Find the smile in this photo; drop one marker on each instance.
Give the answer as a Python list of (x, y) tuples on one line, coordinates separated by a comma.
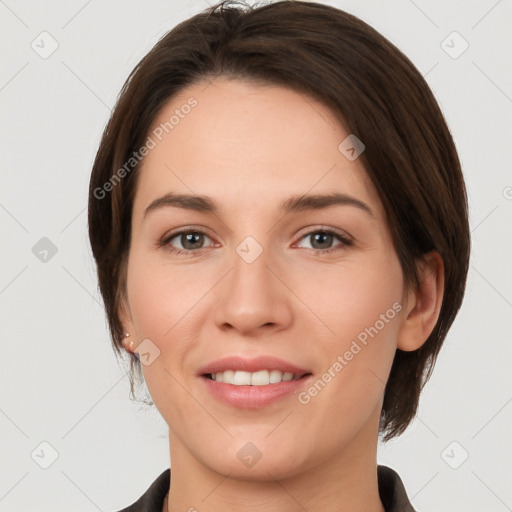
[(245, 395)]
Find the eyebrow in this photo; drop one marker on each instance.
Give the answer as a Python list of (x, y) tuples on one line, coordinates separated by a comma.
[(293, 204)]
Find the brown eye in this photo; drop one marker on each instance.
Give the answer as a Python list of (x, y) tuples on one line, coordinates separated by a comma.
[(186, 241), (322, 241)]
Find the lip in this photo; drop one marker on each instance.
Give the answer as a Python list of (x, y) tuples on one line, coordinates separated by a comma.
[(251, 365), (254, 397)]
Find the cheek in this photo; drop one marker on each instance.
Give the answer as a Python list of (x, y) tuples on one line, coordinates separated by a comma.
[(361, 306), (169, 305), (164, 305), (161, 297), (351, 297)]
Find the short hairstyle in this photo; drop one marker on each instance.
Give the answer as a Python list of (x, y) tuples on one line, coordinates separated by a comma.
[(369, 85)]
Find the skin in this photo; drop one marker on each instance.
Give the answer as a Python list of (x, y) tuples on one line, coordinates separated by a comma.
[(250, 147)]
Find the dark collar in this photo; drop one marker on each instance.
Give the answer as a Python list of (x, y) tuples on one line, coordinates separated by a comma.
[(391, 490)]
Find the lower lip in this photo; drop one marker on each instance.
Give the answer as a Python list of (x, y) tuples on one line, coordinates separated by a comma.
[(253, 397)]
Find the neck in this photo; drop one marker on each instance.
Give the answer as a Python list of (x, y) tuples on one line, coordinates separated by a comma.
[(345, 481)]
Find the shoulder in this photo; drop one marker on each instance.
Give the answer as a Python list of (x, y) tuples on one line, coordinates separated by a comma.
[(392, 491), (153, 498)]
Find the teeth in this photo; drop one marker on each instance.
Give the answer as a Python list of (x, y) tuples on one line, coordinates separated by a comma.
[(261, 378)]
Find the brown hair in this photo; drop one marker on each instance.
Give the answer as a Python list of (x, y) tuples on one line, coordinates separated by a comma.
[(374, 90)]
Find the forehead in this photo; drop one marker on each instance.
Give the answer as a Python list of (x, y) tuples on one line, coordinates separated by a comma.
[(242, 142)]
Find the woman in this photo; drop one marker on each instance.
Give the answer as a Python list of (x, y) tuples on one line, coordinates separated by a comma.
[(279, 221)]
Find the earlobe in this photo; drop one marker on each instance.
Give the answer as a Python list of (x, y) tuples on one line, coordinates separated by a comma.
[(423, 304), (128, 344), (127, 337)]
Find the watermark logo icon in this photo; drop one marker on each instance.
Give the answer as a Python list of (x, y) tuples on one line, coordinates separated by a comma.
[(44, 250), (454, 45), (454, 455), (351, 147), (44, 455), (147, 352), (44, 45), (249, 249), (249, 454)]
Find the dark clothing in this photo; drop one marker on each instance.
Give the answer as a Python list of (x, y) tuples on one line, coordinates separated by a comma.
[(391, 490)]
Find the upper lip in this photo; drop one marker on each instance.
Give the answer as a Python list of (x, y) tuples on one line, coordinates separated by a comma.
[(251, 365)]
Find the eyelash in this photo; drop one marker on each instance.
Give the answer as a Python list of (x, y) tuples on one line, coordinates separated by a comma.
[(346, 241)]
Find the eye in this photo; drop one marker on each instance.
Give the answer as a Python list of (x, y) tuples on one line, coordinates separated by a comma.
[(187, 241), (321, 240)]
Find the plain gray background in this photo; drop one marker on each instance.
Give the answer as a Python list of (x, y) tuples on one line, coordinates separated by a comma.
[(60, 382)]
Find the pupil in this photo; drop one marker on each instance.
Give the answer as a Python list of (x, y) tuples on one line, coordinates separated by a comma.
[(322, 236), (189, 240)]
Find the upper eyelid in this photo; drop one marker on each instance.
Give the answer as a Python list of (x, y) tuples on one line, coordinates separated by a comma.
[(336, 231), (182, 231)]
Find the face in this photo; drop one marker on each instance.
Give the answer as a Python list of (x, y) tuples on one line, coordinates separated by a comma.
[(317, 285)]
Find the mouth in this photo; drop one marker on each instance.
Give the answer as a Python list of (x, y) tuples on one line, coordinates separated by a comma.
[(254, 390), (251, 383)]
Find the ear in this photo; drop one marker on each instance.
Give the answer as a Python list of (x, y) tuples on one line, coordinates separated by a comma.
[(125, 318), (423, 304)]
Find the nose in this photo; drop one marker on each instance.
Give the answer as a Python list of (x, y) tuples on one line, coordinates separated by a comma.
[(252, 296)]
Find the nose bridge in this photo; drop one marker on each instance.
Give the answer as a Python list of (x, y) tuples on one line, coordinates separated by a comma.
[(252, 248), (250, 277), (250, 296)]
